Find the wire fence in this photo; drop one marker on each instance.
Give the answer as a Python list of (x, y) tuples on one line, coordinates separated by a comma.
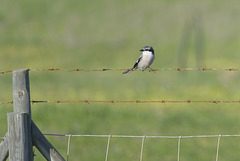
[(133, 101), (108, 69), (143, 138)]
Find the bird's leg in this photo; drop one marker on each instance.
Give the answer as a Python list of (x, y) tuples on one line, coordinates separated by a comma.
[(149, 69)]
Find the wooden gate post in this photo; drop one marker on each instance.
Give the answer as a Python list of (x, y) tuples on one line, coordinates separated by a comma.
[(22, 131), (19, 134), (19, 121)]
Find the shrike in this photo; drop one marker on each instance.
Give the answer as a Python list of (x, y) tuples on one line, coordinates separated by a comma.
[(144, 61)]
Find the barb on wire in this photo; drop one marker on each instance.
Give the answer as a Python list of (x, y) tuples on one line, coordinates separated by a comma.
[(108, 69), (7, 71), (10, 102), (132, 101)]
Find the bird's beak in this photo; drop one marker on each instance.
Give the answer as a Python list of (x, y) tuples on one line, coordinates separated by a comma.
[(141, 50)]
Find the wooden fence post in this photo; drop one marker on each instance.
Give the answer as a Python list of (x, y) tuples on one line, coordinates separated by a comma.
[(20, 146), (22, 131), (21, 91), (19, 121), (4, 152)]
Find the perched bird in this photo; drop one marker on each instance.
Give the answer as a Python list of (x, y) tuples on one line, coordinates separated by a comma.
[(144, 61)]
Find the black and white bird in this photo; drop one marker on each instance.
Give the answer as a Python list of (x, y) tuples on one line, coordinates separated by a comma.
[(144, 61)]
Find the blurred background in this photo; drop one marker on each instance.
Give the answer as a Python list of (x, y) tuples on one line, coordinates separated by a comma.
[(109, 34)]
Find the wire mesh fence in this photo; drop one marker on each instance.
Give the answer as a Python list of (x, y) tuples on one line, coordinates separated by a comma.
[(142, 145)]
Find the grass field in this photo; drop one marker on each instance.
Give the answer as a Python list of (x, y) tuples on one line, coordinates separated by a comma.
[(109, 34)]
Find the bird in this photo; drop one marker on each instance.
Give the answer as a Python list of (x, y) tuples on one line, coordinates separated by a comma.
[(144, 61)]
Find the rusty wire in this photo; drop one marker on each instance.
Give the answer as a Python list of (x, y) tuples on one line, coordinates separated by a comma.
[(10, 102), (108, 69), (131, 101), (137, 101)]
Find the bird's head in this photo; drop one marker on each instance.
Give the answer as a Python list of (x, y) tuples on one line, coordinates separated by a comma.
[(147, 48)]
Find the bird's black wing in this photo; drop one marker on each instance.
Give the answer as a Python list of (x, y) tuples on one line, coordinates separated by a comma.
[(136, 64)]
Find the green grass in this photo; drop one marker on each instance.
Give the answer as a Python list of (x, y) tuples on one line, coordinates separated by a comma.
[(109, 34)]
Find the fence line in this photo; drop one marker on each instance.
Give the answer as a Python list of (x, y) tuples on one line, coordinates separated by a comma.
[(145, 136), (45, 147), (108, 69), (143, 141), (132, 101)]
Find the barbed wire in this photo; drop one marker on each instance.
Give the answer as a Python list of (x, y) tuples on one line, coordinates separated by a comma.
[(108, 69), (10, 102), (132, 101)]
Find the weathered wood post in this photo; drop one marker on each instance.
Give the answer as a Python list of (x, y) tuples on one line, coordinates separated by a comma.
[(20, 143), (19, 121), (44, 146), (4, 152), (22, 131)]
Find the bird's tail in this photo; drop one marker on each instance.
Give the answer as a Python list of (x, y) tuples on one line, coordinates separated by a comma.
[(129, 71), (126, 72)]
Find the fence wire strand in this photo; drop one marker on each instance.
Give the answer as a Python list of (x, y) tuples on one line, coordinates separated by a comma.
[(179, 145), (109, 69), (68, 149), (107, 150), (218, 145), (141, 154), (147, 136), (163, 101), (10, 102)]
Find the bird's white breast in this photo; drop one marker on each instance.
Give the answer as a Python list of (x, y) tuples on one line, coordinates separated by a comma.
[(146, 60)]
